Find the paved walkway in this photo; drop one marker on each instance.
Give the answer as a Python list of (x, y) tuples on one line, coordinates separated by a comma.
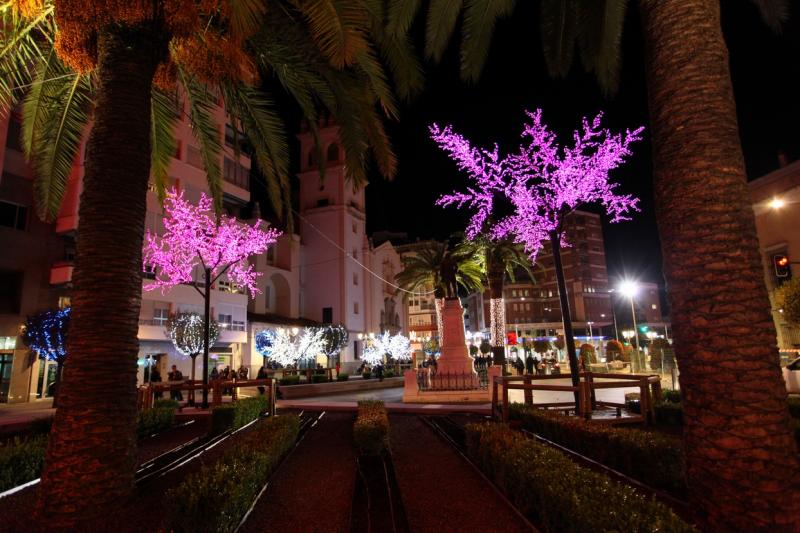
[(16, 416), (313, 490), (441, 491)]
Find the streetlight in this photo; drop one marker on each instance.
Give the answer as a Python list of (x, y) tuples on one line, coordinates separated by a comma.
[(629, 288), (777, 203), (590, 330)]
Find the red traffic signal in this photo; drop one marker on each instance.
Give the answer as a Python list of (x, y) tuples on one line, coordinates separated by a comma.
[(782, 265)]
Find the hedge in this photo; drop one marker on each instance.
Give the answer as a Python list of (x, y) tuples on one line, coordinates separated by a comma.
[(167, 402), (652, 458), (154, 420), (669, 414), (236, 414), (371, 429), (216, 497), (21, 460), (342, 376), (366, 375), (289, 380), (559, 495), (319, 378)]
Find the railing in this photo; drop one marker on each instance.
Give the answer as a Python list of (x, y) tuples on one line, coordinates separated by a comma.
[(649, 393), (147, 393), (431, 380)]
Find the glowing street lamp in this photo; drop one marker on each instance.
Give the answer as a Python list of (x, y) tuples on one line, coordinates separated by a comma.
[(630, 288), (777, 203)]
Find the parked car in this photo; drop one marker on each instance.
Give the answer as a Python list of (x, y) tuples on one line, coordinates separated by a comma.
[(791, 374)]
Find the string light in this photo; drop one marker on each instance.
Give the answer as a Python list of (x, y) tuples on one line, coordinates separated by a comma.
[(497, 316), (185, 330), (46, 334)]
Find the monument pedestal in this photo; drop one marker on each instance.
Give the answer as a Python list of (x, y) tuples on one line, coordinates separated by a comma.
[(454, 358)]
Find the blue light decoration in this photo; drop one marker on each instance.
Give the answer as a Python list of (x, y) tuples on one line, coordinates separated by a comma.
[(46, 334), (265, 339)]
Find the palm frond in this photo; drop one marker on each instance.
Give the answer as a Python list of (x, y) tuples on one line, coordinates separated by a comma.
[(266, 131), (401, 15), (55, 120), (380, 145), (164, 117), (558, 28), (337, 27), (206, 131), (480, 18), (377, 78), (600, 33), (439, 27), (245, 17), (399, 54), (23, 45), (774, 12)]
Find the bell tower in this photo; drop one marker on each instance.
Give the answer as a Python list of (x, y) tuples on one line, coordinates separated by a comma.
[(332, 228)]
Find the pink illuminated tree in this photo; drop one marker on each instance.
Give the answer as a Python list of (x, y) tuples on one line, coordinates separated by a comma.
[(194, 238), (543, 182)]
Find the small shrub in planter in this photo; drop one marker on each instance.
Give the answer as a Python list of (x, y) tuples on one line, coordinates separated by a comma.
[(669, 395), (21, 460), (389, 374), (587, 355), (155, 420), (237, 414), (366, 374), (289, 380), (371, 429), (561, 496), (669, 414), (342, 376), (215, 498), (319, 378), (166, 402), (653, 458)]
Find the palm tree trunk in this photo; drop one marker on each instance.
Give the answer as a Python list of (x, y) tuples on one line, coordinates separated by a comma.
[(91, 455), (742, 464), (497, 318), (57, 384)]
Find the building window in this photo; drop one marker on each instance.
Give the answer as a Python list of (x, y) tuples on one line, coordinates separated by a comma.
[(327, 315), (160, 315), (270, 255), (514, 293), (149, 272), (355, 279), (225, 321), (64, 302), (355, 308), (10, 286), (654, 306), (13, 216), (333, 152), (14, 132)]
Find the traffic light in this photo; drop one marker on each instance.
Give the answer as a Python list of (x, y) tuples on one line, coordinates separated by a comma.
[(783, 268)]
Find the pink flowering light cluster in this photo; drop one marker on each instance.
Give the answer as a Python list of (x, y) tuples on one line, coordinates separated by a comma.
[(194, 237), (543, 181)]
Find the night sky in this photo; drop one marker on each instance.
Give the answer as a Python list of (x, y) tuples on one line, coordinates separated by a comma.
[(763, 65)]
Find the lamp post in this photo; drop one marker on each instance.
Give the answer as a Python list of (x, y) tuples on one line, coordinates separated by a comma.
[(590, 330)]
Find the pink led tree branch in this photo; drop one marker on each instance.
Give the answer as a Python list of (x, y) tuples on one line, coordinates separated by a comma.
[(544, 182), (194, 237)]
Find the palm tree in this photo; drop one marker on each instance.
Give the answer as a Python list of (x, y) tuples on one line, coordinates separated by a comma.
[(723, 330), (97, 61), (501, 259), (422, 271)]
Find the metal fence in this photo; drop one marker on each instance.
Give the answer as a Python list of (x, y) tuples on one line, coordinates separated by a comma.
[(431, 380)]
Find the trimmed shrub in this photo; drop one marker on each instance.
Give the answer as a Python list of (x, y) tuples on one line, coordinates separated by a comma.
[(657, 349), (236, 414), (215, 498), (342, 376), (614, 350), (289, 380), (558, 494), (669, 395), (485, 348), (542, 346), (587, 355), (652, 458), (473, 350), (389, 374), (154, 420), (371, 429), (669, 414), (319, 378), (366, 374), (21, 460), (166, 402)]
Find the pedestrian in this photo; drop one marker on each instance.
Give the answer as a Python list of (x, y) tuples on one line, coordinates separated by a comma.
[(243, 372), (489, 360), (529, 364), (262, 374), (175, 376), (379, 371), (155, 377), (214, 374), (338, 367)]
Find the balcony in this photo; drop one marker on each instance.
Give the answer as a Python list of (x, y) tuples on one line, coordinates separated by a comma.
[(61, 273)]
